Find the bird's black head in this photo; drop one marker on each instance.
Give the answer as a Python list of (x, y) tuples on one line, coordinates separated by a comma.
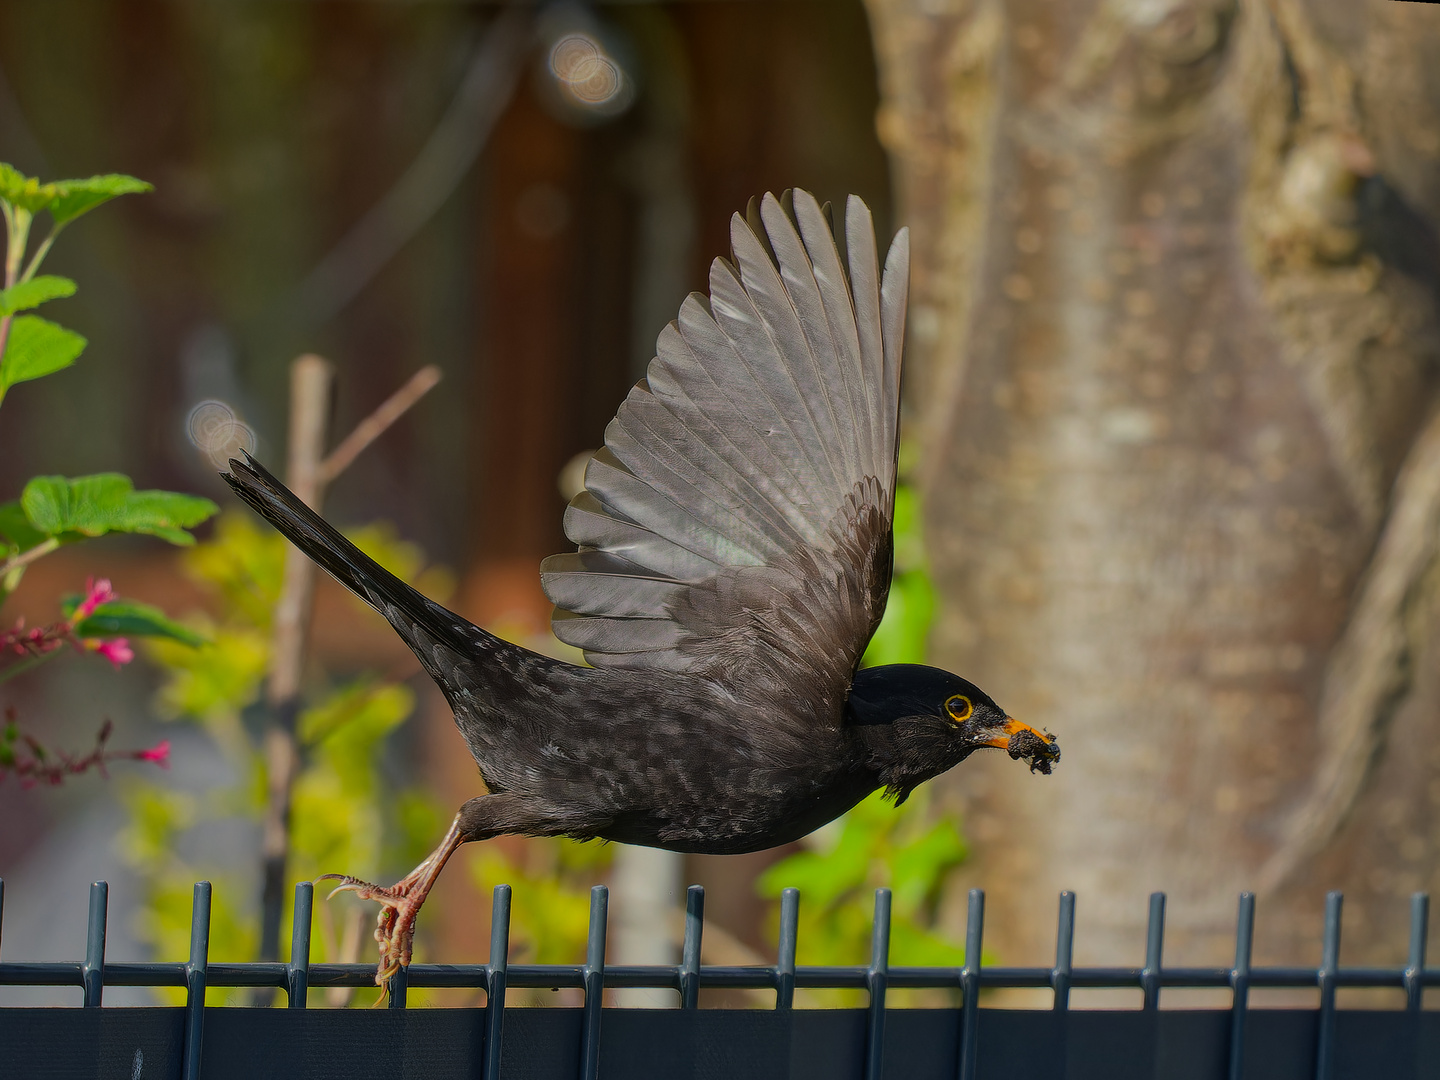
[(936, 720)]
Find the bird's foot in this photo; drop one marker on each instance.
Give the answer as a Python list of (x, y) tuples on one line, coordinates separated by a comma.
[(395, 925), (400, 904)]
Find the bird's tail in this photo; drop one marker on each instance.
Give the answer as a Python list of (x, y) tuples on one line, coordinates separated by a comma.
[(414, 616)]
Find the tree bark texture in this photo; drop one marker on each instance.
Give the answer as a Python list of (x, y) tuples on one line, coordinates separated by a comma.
[(1172, 372)]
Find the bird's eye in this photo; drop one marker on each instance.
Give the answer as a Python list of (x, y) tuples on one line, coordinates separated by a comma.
[(959, 708)]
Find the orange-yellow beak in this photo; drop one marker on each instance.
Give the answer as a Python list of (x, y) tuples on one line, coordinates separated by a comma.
[(1014, 727)]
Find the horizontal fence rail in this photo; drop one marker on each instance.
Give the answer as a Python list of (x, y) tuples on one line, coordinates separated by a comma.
[(1419, 1056)]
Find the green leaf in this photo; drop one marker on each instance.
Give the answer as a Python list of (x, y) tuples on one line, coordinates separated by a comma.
[(75, 197), (166, 514), (24, 191), (37, 347), (11, 181), (15, 527), (213, 683), (245, 565), (33, 293), (108, 502), (56, 505), (129, 618), (345, 727)]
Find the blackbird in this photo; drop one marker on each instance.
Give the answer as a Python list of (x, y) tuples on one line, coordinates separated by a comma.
[(734, 559)]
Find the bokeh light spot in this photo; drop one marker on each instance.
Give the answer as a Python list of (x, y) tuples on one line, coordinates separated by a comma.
[(586, 71), (218, 433)]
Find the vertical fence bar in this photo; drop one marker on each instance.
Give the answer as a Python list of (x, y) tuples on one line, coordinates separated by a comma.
[(1415, 967), (1329, 964), (970, 986), (594, 983), (94, 973), (2, 908), (495, 981), (297, 972), (1064, 951), (195, 978), (876, 981), (785, 958), (397, 988), (690, 951), (1240, 983), (1154, 952)]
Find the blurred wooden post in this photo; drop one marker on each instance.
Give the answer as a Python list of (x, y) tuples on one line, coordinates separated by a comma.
[(311, 382), (646, 885)]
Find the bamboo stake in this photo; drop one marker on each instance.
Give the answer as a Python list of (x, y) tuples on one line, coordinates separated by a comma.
[(311, 382), (308, 471)]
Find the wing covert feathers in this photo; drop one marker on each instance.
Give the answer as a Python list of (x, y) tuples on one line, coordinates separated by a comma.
[(737, 521)]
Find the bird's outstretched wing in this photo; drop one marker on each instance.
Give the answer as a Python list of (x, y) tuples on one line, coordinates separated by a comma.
[(736, 523)]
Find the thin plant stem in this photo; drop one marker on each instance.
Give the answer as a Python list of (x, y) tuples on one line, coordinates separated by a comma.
[(376, 424), (25, 558), (28, 664), (4, 337), (40, 253), (11, 260), (17, 232)]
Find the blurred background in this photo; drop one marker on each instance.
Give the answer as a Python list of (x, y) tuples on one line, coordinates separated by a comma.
[(1173, 470)]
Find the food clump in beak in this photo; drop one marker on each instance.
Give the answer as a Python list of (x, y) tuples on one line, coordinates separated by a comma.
[(1039, 751)]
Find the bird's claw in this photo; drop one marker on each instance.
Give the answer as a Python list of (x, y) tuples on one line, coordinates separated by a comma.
[(363, 889), (394, 925)]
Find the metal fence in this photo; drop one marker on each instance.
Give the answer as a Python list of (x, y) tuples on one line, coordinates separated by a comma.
[(968, 1043)]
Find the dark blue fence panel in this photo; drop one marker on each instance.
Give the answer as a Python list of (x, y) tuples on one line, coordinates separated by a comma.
[(706, 1044), (873, 1043)]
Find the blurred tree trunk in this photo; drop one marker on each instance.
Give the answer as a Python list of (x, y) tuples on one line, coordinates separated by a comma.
[(1172, 364)]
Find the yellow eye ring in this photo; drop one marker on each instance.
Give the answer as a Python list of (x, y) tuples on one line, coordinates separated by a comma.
[(959, 708)]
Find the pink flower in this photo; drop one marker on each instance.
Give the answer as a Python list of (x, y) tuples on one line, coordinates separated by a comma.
[(96, 593), (159, 753), (117, 650)]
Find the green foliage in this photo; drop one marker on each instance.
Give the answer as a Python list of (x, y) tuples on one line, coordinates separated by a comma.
[(876, 847), (108, 502), (75, 197), (337, 823), (158, 821), (33, 293), (551, 878), (53, 510), (128, 618), (32, 347), (344, 729), (9, 737), (244, 566), (211, 684), (23, 191), (15, 528), (65, 199), (37, 347)]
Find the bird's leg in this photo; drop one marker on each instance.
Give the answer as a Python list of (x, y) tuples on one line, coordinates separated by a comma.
[(478, 819), (400, 904)]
